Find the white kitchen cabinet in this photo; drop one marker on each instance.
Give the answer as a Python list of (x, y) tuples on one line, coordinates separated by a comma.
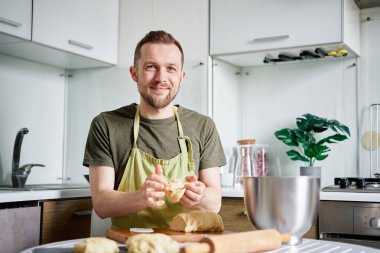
[(85, 27), (15, 20), (70, 34), (254, 26)]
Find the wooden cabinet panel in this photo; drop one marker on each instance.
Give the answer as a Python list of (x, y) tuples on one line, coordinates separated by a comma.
[(235, 218), (234, 215), (65, 220)]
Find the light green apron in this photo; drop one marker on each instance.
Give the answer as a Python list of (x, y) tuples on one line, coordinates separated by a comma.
[(140, 165)]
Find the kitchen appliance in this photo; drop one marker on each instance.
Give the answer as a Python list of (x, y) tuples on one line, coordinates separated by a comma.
[(356, 222), (374, 142), (287, 204)]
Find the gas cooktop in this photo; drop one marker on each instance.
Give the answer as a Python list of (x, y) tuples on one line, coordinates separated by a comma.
[(354, 184)]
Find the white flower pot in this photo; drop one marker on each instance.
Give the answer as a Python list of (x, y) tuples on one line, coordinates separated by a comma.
[(310, 171)]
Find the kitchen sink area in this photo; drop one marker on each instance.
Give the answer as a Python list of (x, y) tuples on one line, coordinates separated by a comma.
[(37, 192), (39, 187)]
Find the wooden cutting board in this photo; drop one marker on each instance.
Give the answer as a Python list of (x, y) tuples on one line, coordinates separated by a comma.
[(122, 235)]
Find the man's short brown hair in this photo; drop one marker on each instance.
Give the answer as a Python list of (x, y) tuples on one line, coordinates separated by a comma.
[(156, 37)]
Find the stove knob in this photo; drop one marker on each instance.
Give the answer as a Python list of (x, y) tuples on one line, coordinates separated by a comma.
[(374, 223), (344, 183), (360, 183)]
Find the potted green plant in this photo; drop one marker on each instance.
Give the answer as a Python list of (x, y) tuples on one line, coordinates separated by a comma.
[(304, 138)]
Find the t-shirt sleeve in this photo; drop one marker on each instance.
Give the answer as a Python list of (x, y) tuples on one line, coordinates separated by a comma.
[(212, 154), (97, 150)]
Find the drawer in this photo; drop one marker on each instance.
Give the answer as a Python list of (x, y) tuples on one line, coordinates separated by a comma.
[(65, 220)]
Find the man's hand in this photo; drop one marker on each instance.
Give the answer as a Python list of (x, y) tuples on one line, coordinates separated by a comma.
[(194, 194), (153, 188)]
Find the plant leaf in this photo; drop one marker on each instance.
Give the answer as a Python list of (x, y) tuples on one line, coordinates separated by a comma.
[(304, 139), (318, 151), (296, 156), (309, 122), (336, 126), (321, 157), (287, 136), (333, 139)]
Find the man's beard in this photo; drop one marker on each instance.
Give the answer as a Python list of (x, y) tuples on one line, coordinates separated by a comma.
[(158, 102)]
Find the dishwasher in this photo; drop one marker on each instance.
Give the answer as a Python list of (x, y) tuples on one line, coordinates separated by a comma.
[(19, 226)]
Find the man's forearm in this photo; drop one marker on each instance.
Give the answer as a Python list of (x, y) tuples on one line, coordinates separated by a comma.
[(111, 203), (212, 200)]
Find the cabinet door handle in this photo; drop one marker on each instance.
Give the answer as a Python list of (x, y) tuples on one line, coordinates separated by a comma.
[(82, 213), (80, 44), (10, 22), (270, 38)]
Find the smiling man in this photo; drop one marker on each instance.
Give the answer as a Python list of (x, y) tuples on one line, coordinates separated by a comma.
[(134, 151)]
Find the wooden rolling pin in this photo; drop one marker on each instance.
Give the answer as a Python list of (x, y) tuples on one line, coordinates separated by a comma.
[(252, 241)]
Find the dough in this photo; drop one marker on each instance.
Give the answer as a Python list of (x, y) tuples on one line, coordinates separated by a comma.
[(197, 221), (96, 245), (175, 189), (151, 243), (370, 140)]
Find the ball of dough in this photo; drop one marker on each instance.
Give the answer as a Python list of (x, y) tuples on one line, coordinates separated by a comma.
[(96, 245), (193, 221), (151, 243), (370, 140), (175, 189)]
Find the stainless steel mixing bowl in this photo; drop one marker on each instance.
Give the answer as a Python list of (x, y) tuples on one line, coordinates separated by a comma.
[(288, 204)]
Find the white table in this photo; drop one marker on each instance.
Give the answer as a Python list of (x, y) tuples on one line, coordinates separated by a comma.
[(307, 246)]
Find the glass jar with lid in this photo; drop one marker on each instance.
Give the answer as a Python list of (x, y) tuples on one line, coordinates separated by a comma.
[(252, 161)]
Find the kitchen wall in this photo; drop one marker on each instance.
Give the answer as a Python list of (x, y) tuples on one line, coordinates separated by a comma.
[(32, 95), (326, 89), (272, 97)]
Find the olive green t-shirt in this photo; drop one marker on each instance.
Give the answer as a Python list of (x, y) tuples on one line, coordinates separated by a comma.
[(110, 139)]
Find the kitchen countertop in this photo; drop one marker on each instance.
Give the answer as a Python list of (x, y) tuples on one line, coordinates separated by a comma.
[(337, 196), (231, 192), (351, 196), (7, 196), (15, 196), (308, 245)]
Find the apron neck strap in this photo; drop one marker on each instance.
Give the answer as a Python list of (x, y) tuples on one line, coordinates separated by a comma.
[(181, 139), (136, 125), (180, 130)]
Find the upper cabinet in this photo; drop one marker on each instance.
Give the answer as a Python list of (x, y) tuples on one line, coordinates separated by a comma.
[(15, 20), (85, 27), (71, 34), (244, 31)]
